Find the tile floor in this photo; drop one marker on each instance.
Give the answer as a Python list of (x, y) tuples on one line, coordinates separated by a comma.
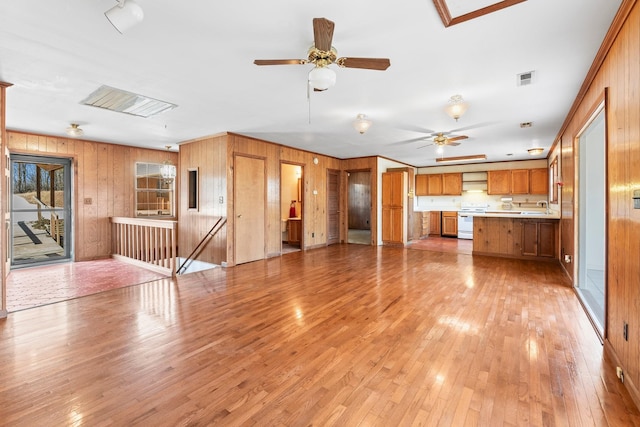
[(36, 286)]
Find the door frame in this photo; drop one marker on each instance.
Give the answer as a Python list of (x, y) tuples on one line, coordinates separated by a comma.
[(68, 209)]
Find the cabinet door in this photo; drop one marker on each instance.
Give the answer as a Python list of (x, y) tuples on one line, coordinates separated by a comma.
[(422, 188), (547, 239), (449, 223), (392, 185), (452, 184), (434, 223), (539, 181), (392, 225), (520, 181), (529, 238), (499, 182), (434, 184)]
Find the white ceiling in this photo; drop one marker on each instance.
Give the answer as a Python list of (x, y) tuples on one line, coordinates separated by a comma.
[(199, 54)]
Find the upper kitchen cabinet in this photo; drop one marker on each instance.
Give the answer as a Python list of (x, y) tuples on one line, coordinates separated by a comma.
[(499, 182), (539, 181), (517, 181), (439, 184)]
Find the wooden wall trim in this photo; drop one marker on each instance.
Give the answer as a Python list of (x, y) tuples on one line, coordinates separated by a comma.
[(448, 20)]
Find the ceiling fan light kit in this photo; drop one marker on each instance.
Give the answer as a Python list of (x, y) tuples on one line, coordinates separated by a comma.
[(74, 130), (125, 15), (361, 123), (457, 107), (322, 78)]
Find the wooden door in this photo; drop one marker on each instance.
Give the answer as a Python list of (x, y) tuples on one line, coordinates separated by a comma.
[(434, 223), (449, 223), (249, 209), (529, 238), (333, 206)]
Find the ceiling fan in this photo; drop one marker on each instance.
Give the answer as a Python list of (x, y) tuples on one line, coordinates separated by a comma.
[(322, 54), (441, 139)]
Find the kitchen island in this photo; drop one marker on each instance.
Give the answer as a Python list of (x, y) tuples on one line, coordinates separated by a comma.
[(514, 234)]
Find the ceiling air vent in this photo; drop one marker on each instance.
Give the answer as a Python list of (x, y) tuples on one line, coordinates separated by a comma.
[(122, 101), (525, 79)]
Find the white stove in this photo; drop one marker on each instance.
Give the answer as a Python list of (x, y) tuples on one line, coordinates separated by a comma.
[(465, 218)]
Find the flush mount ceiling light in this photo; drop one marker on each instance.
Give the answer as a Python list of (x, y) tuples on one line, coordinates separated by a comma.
[(322, 78), (361, 123), (74, 130), (457, 107), (462, 158), (535, 151), (125, 15)]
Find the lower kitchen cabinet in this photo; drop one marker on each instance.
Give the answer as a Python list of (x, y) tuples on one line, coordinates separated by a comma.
[(450, 223), (434, 223), (529, 238), (392, 225)]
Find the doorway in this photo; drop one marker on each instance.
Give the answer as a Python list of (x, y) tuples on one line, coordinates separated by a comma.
[(40, 209), (592, 233), (359, 207), (291, 192)]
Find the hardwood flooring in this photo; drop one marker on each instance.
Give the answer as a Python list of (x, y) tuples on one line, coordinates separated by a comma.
[(348, 335)]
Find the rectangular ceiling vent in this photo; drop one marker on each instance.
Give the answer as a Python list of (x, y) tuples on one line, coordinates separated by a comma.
[(122, 101), (525, 79)]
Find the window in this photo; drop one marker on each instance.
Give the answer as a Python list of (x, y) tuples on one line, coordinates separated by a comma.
[(193, 188), (154, 195)]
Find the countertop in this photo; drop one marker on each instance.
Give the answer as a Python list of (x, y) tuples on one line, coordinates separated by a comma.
[(516, 214)]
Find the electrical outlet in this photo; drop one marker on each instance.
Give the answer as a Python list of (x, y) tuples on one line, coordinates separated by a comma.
[(567, 259)]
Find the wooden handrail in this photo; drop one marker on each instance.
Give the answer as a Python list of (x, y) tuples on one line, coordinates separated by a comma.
[(212, 232), (148, 243)]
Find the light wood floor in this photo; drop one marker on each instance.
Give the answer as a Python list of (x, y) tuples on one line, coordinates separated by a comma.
[(348, 335)]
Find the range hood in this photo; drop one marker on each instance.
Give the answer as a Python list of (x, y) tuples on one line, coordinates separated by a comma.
[(474, 182)]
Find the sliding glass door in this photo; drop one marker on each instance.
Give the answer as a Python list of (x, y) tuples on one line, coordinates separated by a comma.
[(40, 210), (591, 263)]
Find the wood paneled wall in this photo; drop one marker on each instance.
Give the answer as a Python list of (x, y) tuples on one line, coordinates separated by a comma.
[(619, 75), (209, 157), (103, 183)]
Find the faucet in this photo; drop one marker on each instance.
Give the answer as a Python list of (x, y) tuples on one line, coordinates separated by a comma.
[(545, 203)]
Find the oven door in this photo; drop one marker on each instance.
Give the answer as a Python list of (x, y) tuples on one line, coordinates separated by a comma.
[(465, 226)]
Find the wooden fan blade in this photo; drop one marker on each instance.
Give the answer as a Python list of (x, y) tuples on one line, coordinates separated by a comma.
[(380, 64), (452, 144), (457, 138), (322, 33), (280, 61)]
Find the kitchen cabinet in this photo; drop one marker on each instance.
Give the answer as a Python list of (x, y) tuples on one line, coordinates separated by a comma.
[(452, 184), (526, 238), (520, 181), (499, 182), (434, 223), (439, 184), (394, 189), (422, 185), (539, 181), (538, 238), (294, 231), (517, 181), (434, 184), (450, 223)]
